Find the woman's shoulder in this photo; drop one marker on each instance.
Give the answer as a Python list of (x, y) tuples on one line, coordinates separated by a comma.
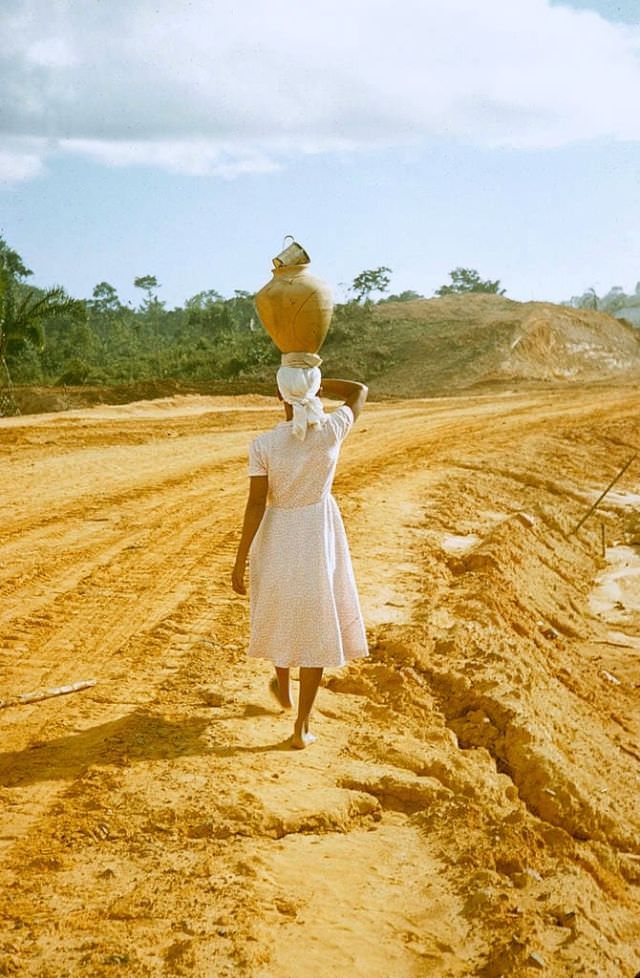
[(267, 435), (272, 437)]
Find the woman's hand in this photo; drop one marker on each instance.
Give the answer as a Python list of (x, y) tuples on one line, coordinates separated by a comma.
[(237, 577)]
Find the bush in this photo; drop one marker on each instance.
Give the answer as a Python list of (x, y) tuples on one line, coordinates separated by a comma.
[(76, 373)]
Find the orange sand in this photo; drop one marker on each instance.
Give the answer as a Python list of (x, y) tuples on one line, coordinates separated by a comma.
[(470, 807)]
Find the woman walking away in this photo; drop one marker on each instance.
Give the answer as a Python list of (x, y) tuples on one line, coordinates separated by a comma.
[(304, 606)]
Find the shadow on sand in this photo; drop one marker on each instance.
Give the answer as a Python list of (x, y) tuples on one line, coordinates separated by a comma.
[(140, 736)]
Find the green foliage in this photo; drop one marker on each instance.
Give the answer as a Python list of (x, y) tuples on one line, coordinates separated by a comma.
[(614, 300), (468, 280), (148, 283), (26, 366), (12, 263), (104, 300), (24, 311), (588, 300), (407, 296), (210, 338), (625, 306), (203, 301), (371, 280), (150, 305), (77, 372)]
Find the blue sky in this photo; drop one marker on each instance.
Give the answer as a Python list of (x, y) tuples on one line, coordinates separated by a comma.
[(185, 140), (621, 10)]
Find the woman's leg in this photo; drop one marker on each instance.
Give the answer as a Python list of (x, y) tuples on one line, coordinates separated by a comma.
[(310, 678), (279, 686), (283, 687)]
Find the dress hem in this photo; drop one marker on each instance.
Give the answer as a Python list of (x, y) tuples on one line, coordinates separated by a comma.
[(296, 664)]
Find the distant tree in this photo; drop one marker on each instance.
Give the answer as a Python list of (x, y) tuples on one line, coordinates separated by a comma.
[(589, 300), (614, 299), (149, 285), (371, 280), (241, 310), (104, 299), (468, 280), (12, 263), (407, 296), (203, 300)]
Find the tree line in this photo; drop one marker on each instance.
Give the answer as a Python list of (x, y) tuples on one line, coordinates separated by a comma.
[(613, 301), (47, 337)]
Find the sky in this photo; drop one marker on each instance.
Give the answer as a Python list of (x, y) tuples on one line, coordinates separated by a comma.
[(186, 139)]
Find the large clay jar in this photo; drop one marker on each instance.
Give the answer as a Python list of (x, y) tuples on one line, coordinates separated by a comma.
[(295, 308)]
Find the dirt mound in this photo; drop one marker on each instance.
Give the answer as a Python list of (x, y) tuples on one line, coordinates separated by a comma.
[(458, 342), (572, 344)]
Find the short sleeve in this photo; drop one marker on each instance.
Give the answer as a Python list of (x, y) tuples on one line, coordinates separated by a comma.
[(257, 461), (341, 421)]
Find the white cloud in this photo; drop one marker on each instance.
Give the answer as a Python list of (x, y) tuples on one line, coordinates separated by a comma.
[(195, 157), (20, 160), (50, 52), (200, 87)]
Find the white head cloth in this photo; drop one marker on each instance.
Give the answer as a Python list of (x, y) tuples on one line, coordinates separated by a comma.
[(299, 380)]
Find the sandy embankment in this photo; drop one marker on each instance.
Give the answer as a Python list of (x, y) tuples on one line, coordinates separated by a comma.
[(470, 806)]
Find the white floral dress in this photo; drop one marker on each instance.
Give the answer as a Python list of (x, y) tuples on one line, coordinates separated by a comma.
[(304, 606)]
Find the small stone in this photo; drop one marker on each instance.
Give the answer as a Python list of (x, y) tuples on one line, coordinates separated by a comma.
[(610, 677), (550, 632), (536, 959), (526, 519), (212, 698), (521, 880)]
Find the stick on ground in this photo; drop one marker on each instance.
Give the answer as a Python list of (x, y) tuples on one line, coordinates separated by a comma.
[(46, 694), (602, 495)]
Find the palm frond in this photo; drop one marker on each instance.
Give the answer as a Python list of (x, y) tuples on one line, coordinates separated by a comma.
[(52, 304), (24, 313)]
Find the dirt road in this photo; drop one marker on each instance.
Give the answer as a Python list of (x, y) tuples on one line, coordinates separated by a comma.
[(470, 807)]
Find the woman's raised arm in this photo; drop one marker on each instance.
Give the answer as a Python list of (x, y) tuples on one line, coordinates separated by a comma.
[(351, 392)]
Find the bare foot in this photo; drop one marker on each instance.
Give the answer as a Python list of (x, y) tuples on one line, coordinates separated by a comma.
[(302, 740), (274, 689)]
